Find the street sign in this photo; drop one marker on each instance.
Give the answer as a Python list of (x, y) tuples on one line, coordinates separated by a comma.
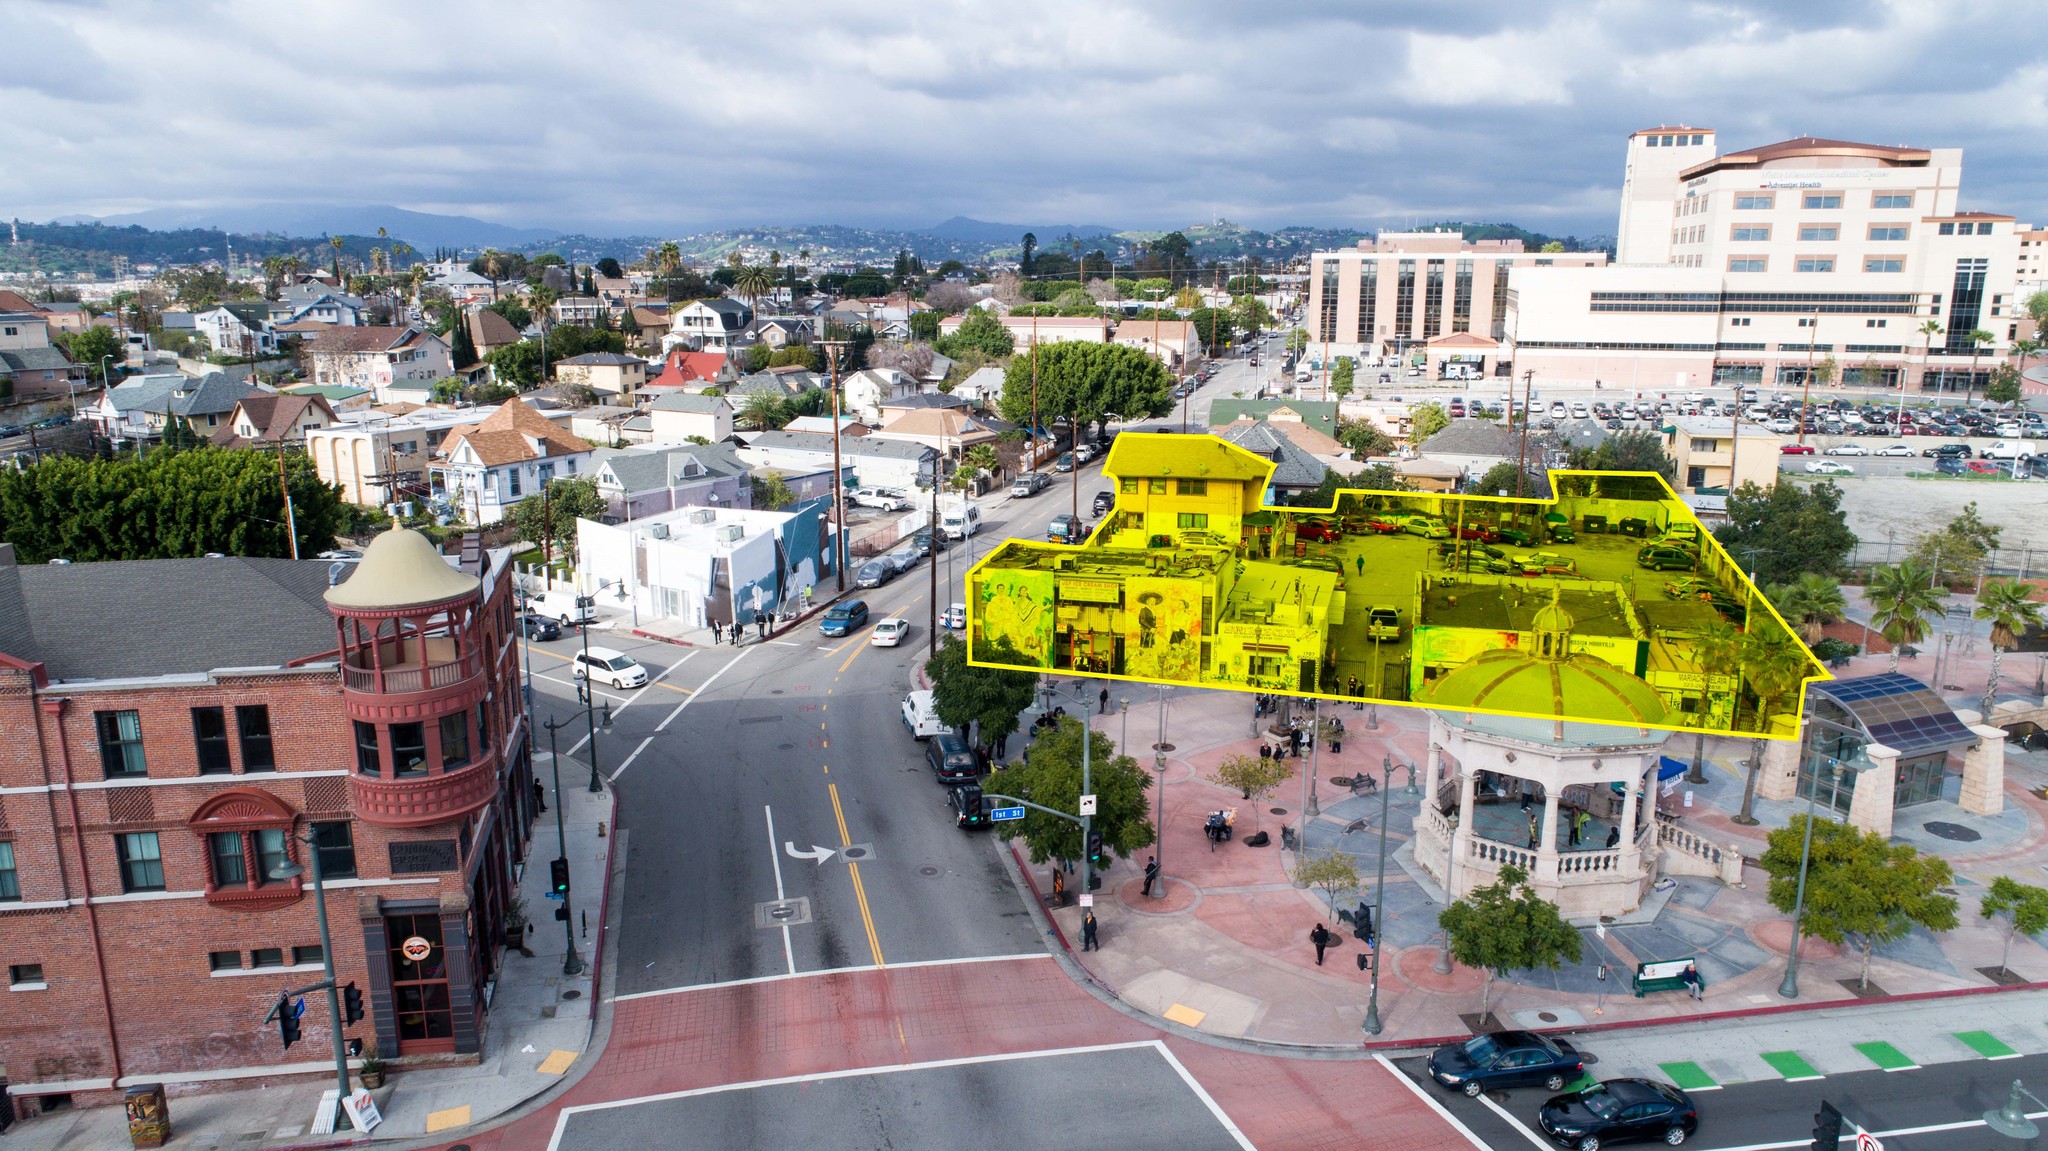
[(1087, 900), (1087, 805), (299, 1008), (1865, 1141), (1000, 814)]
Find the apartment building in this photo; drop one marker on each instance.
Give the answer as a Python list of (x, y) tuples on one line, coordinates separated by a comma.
[(1756, 267), (1401, 290), (376, 457)]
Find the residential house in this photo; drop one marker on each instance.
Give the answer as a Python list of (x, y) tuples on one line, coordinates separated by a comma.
[(238, 329), (582, 311), (1024, 330), (382, 359), (778, 332), (709, 325), (266, 420), (29, 365), (615, 291), (317, 303), (1472, 446), (984, 388), (1320, 415), (611, 426), (675, 418), (947, 430), (1428, 475), (614, 377), (489, 331), (142, 407), (651, 320), (1707, 452), (1171, 342), (848, 425), (785, 382), (1322, 447), (339, 398), (922, 402), (865, 391), (648, 480), (485, 468), (696, 371), (376, 456), (1295, 472), (875, 462)]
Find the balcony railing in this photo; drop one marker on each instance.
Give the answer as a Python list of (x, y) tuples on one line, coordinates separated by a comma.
[(402, 680)]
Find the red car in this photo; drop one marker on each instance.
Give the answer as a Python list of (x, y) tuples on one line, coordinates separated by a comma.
[(1380, 527), (1796, 449), (1479, 532), (1986, 467), (1317, 530)]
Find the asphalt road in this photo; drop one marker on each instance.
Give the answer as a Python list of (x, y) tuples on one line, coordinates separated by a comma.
[(1934, 1108)]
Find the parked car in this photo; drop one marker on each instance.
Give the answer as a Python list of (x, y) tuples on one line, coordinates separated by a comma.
[(955, 617), (881, 498), (538, 627), (1382, 622), (603, 665), (903, 559), (921, 539), (1829, 468), (9, 431), (1665, 557), (951, 760), (1619, 1111), (1950, 466), (1796, 449), (1949, 449), (1030, 484), (1988, 467), (1427, 527), (874, 573), (1893, 450), (1065, 463), (1066, 529), (889, 632), (1506, 1059), (1317, 530), (1480, 532), (1847, 450), (1378, 525), (1104, 500), (2005, 450), (56, 421), (844, 618)]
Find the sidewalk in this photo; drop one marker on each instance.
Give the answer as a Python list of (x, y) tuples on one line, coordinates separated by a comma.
[(1224, 950), (540, 1028)]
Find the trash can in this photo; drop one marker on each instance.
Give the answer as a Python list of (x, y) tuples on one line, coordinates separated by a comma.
[(149, 1120)]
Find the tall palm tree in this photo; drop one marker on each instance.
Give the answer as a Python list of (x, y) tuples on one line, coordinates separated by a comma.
[(1903, 599), (1979, 340), (2009, 605), (762, 412), (754, 281), (492, 261), (668, 257), (981, 457), (1809, 604), (1927, 331), (2024, 350), (336, 242)]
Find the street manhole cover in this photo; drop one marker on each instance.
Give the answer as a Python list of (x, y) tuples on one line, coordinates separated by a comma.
[(777, 691), (1546, 1016), (927, 872), (1277, 810), (857, 851), (782, 912), (784, 746), (1954, 831), (572, 993), (1162, 747)]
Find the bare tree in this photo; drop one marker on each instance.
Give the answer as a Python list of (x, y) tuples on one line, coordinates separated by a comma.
[(948, 298), (1105, 291), (1007, 290), (912, 358)]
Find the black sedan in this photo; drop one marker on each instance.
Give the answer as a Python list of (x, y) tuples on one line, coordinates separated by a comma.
[(1505, 1059), (539, 627), (1619, 1111), (1946, 450)]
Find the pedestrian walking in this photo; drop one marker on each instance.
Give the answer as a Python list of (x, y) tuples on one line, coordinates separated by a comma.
[(717, 633), (761, 621), (540, 796), (1059, 887), (1361, 566), (1102, 702), (1151, 873), (1265, 750), (1088, 942), (1535, 829), (1691, 976), (1321, 938)]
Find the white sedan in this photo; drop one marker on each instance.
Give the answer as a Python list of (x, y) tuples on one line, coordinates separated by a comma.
[(1893, 450), (1829, 468), (889, 632), (1847, 450)]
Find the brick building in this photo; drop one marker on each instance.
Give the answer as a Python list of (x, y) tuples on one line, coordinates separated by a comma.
[(174, 731)]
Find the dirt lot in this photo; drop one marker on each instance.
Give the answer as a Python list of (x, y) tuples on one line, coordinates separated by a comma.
[(1910, 506)]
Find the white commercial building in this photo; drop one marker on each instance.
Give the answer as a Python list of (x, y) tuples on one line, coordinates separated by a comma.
[(696, 565), (1747, 267)]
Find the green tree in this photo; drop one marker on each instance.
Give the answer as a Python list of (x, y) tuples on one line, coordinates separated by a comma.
[(2037, 307), (979, 332), (1087, 381), (2004, 385), (517, 364), (1959, 551), (462, 348), (1787, 529), (752, 282), (1979, 340), (763, 412), (1332, 872), (1808, 603), (1364, 438), (799, 355), (981, 458), (1050, 774), (771, 492), (87, 346), (1902, 600), (1426, 420), (1297, 341), (2023, 906), (550, 515), (1631, 451), (1342, 377), (1252, 776), (1505, 926), (1553, 246), (1501, 479), (1859, 885), (2009, 605), (609, 268), (984, 701), (1213, 327), (515, 313), (924, 325), (865, 283)]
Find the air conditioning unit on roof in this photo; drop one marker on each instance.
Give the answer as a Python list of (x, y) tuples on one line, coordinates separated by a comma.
[(703, 516)]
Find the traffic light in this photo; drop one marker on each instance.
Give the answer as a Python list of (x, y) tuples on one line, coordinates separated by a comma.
[(1095, 849), (558, 876), (287, 1022), (1827, 1128), (351, 1003)]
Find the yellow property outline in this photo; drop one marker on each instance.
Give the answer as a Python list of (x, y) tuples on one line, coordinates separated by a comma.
[(1193, 579)]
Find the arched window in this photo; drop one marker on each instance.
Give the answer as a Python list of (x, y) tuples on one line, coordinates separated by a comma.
[(246, 834)]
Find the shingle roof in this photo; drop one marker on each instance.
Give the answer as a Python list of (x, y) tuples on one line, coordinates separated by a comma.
[(603, 360), (639, 470), (144, 393), (488, 328), (1292, 467), (690, 402), (848, 445), (926, 400), (273, 415), (1318, 414), (945, 422), (513, 434), (213, 395), (1470, 438), (1137, 454), (35, 359), (106, 620)]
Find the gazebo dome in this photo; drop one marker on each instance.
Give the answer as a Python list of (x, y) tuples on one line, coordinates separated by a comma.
[(400, 569), (1582, 687)]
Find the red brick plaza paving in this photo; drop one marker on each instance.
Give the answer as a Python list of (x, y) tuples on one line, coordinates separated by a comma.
[(832, 1022)]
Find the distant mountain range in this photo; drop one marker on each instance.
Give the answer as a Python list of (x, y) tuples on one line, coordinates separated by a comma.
[(423, 230)]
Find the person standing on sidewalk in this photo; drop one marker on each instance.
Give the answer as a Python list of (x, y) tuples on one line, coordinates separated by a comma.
[(1535, 829), (1151, 872), (1102, 702), (1088, 942), (1321, 938), (1059, 887), (717, 633)]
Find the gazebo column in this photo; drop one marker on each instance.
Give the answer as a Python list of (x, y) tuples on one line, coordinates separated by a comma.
[(1461, 835), (1432, 774), (1631, 815), (1546, 847)]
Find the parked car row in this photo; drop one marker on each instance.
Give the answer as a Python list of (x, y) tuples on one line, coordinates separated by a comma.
[(1579, 1116), (952, 761)]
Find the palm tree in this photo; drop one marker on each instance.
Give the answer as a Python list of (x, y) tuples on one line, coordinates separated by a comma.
[(2009, 605), (1927, 332), (2024, 350), (336, 242), (668, 257), (1979, 340), (981, 458), (492, 262), (762, 412), (1809, 603), (1902, 600), (754, 281)]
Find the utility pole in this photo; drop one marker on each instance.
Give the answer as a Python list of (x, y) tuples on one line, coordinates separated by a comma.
[(1522, 452), (1806, 385), (832, 349), (931, 646), (1035, 425), (291, 523)]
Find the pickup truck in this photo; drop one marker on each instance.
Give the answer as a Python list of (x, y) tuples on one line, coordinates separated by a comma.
[(1382, 622), (920, 718)]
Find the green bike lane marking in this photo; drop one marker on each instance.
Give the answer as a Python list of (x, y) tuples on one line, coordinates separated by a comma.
[(1688, 1076), (1886, 1056), (1791, 1065), (1986, 1044)]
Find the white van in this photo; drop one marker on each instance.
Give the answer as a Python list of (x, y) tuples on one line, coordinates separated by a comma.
[(603, 665), (564, 606), (921, 718), (960, 521)]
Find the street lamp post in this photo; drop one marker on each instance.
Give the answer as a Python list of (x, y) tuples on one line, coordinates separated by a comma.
[(1379, 898), (289, 870), (572, 964), (1789, 989), (1159, 751), (588, 695)]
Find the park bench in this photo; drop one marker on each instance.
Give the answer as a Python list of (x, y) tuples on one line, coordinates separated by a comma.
[(1662, 975)]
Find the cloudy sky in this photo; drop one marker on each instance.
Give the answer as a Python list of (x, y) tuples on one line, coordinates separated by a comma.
[(664, 117)]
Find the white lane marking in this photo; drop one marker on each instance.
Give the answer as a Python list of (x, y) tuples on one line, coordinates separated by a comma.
[(562, 1118), (636, 697), (1442, 1112), (1900, 1132), (829, 971), (784, 643), (663, 725), (629, 759), (1204, 1096), (571, 685), (788, 953), (1513, 1122)]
